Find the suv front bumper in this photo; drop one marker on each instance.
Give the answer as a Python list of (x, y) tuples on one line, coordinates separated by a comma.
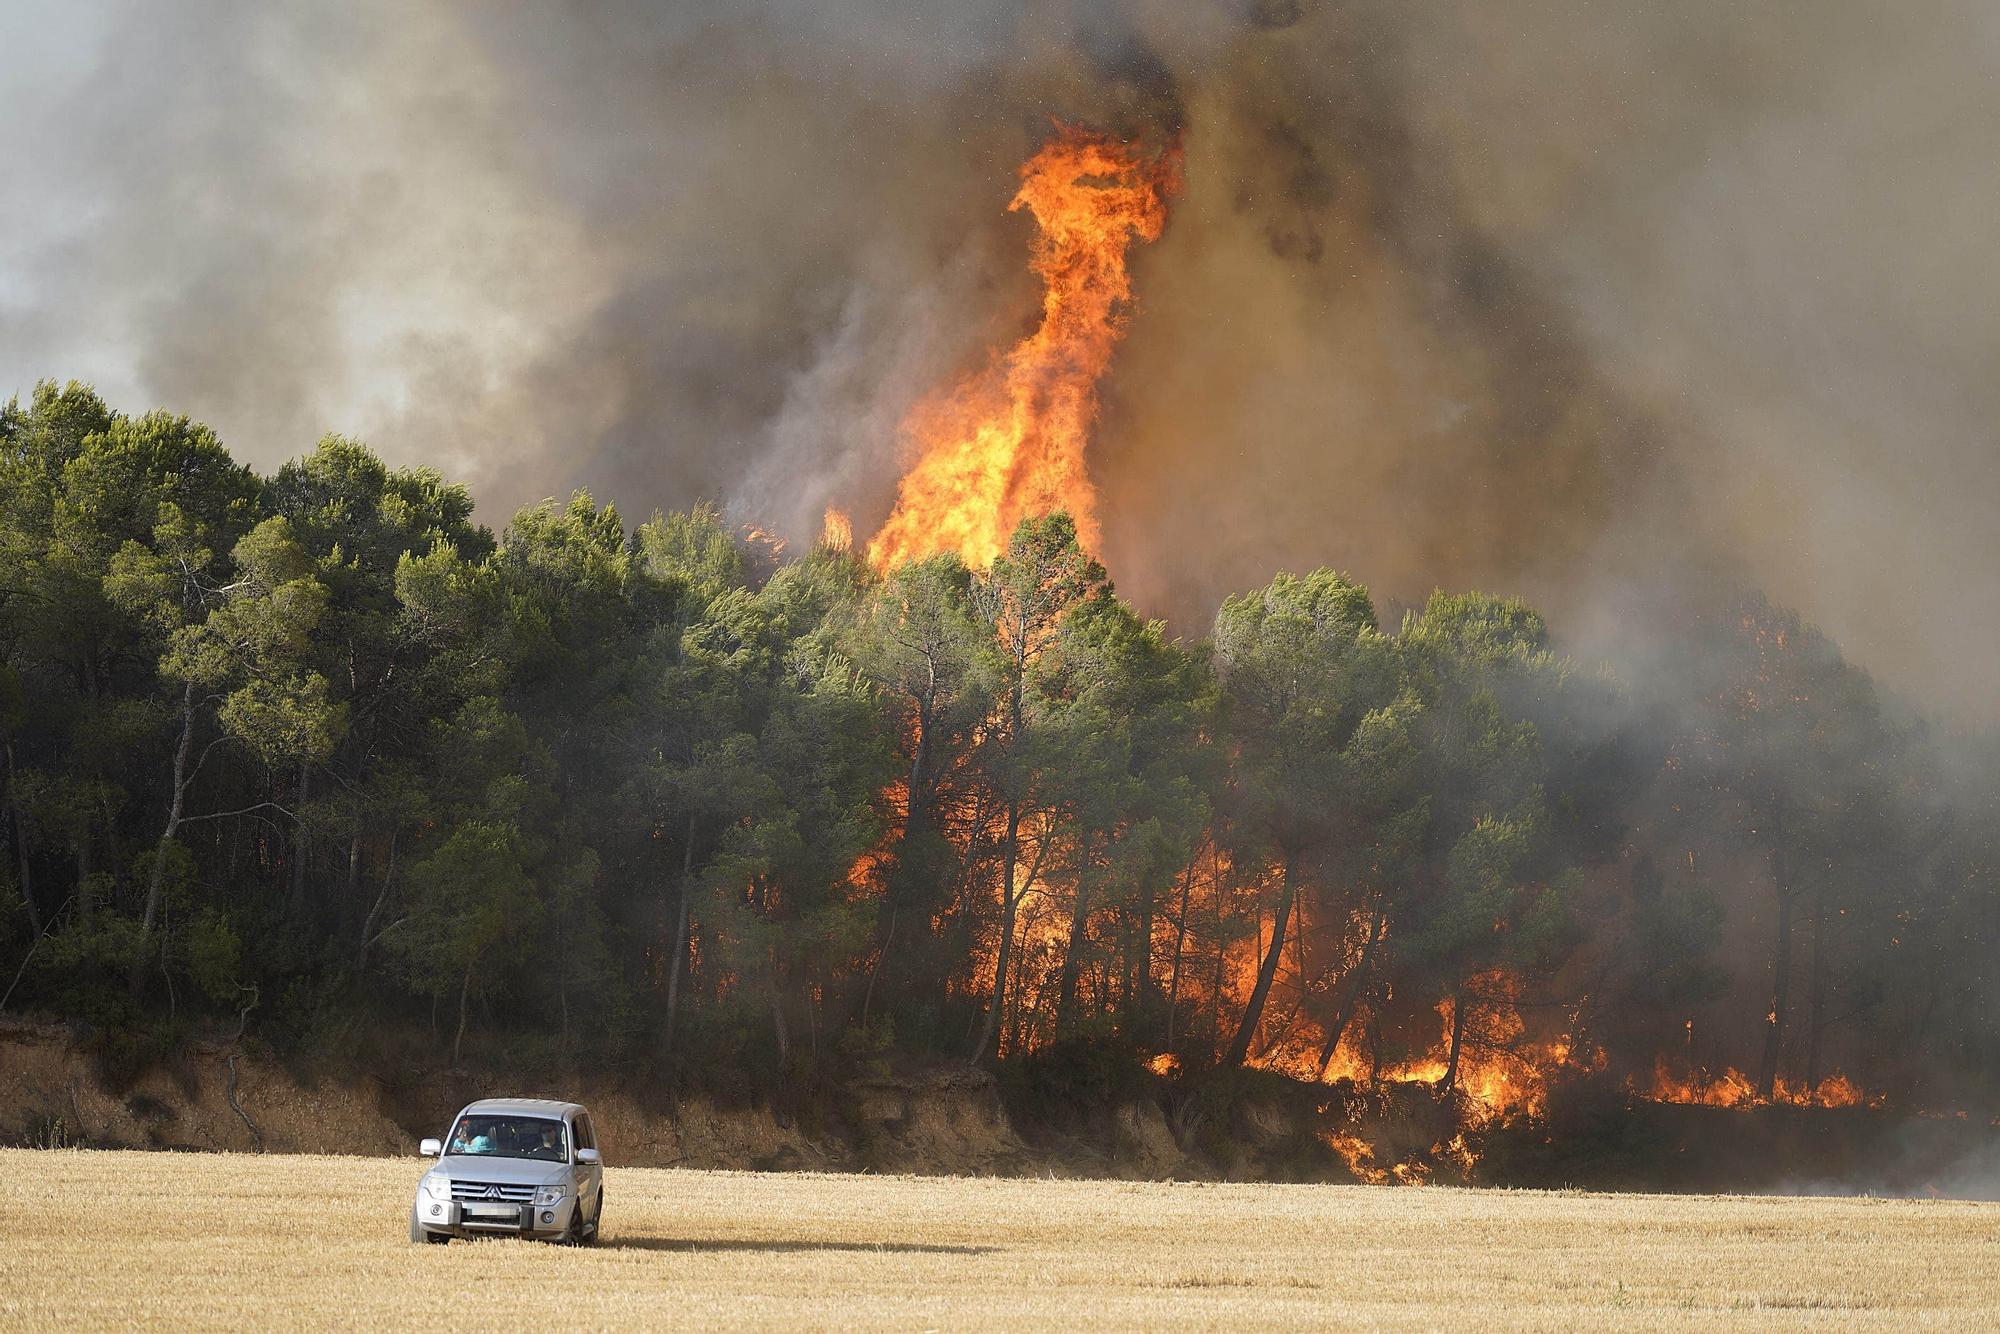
[(494, 1220)]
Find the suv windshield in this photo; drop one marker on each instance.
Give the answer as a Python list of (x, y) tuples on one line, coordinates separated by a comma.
[(510, 1137)]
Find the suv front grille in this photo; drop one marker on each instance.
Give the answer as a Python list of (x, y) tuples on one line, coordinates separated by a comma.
[(492, 1192)]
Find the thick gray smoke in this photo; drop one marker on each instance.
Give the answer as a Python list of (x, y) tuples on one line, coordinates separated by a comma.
[(1539, 297)]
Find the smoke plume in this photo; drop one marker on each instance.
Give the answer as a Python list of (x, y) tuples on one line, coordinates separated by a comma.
[(1548, 299)]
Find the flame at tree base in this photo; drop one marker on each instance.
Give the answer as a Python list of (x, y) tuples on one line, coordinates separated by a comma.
[(1733, 1088), (1397, 1123)]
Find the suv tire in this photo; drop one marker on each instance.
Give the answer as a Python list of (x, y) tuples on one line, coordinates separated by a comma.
[(418, 1234)]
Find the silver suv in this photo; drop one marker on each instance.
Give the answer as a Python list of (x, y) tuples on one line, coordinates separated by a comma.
[(513, 1166)]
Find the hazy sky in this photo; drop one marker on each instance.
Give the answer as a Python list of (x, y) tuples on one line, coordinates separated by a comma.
[(1544, 296)]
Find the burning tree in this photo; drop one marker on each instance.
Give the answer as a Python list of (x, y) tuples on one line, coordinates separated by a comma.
[(1319, 744)]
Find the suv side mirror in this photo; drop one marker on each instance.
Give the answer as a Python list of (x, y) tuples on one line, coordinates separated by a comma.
[(588, 1156), (431, 1148)]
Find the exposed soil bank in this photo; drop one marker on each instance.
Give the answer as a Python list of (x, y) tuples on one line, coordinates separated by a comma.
[(52, 1094), (960, 1121)]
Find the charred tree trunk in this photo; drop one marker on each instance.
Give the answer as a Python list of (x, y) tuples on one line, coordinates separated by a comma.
[(916, 801), (778, 1028), (1267, 972), (368, 935), (86, 890), (916, 820), (1781, 965), (1302, 969), (1140, 990), (1009, 902), (881, 957), (679, 956), (1072, 960), (1352, 998), (1448, 1083), (1375, 1044), (562, 974), (464, 991), (350, 898), (1221, 967), (1816, 990), (812, 998), (20, 828), (300, 844), (1180, 942), (1019, 1031), (86, 896), (176, 807), (1079, 921)]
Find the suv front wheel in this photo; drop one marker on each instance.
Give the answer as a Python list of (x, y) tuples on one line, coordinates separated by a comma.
[(417, 1232), (579, 1235)]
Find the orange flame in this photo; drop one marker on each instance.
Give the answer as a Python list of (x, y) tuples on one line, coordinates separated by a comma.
[(1359, 1155), (1007, 444), (1506, 1074), (836, 531), (1732, 1088)]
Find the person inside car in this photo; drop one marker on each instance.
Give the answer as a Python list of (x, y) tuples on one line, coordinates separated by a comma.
[(479, 1143)]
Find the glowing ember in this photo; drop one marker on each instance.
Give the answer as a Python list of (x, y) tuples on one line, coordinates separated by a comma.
[(1008, 443)]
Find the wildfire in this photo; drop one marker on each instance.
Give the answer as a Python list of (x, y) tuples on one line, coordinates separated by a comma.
[(762, 543), (1733, 1088), (1008, 443), (836, 531), (1359, 1155), (1505, 1076)]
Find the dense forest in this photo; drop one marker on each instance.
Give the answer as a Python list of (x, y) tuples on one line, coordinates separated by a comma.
[(315, 756)]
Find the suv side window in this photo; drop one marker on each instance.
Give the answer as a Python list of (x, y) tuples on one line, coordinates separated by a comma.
[(585, 1137)]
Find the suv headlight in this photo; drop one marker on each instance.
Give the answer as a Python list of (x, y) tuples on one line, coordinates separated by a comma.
[(549, 1195), (437, 1187)]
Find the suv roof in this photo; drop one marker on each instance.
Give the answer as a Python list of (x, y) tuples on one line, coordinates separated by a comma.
[(521, 1107)]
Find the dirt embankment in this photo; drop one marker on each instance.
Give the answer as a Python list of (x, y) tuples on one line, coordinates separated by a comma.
[(215, 1097), (1253, 1126), (51, 1096)]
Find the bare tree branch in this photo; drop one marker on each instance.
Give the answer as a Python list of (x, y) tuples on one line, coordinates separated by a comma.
[(241, 810)]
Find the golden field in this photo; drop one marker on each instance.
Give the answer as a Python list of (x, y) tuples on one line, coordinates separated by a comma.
[(103, 1239)]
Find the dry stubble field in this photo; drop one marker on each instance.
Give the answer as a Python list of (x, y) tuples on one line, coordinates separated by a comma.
[(106, 1239)]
